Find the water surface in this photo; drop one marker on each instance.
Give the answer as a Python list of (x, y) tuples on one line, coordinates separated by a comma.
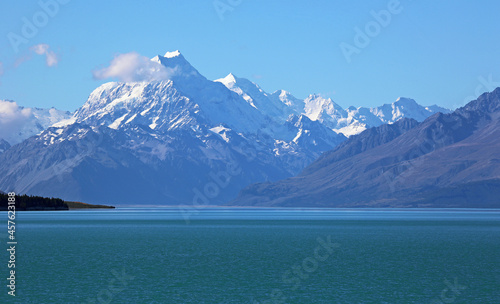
[(238, 255)]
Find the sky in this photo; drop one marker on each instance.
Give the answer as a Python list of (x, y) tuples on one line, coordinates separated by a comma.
[(360, 53)]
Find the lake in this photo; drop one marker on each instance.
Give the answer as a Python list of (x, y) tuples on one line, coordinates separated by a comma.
[(256, 255)]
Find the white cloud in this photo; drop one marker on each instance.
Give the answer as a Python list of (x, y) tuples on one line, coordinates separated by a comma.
[(51, 58), (132, 67), (12, 119)]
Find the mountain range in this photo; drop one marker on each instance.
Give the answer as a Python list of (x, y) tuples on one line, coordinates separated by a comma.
[(18, 123), (181, 140), (448, 160)]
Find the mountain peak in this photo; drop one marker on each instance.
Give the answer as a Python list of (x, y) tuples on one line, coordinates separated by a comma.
[(286, 97), (173, 54), (314, 96), (458, 165), (322, 101), (404, 100), (178, 65), (488, 102), (170, 58), (229, 79), (283, 93)]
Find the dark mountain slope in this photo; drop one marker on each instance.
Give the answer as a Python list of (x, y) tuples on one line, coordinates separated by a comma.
[(428, 165)]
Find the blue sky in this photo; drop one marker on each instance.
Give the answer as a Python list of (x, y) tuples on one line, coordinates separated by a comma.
[(437, 52)]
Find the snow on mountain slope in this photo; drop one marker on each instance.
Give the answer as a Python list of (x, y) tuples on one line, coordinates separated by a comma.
[(362, 118), (18, 123), (188, 100), (257, 98), (437, 109), (185, 93), (172, 138), (157, 105), (402, 107), (179, 139), (312, 133), (281, 104), (294, 104), (178, 67), (447, 161), (325, 111)]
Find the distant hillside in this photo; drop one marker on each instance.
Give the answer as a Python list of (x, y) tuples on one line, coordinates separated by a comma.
[(449, 160)]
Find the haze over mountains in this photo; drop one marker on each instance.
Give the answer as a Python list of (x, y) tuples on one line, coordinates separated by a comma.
[(181, 139)]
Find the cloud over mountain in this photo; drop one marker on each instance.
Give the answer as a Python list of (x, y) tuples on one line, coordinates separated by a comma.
[(12, 118), (18, 123), (133, 67)]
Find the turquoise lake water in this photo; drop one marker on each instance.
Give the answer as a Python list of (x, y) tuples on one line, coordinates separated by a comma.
[(217, 255)]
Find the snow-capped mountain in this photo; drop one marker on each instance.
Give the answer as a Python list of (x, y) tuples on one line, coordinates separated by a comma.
[(180, 140), (276, 107), (361, 118), (18, 123), (281, 104), (324, 110), (447, 161), (389, 113), (186, 95)]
